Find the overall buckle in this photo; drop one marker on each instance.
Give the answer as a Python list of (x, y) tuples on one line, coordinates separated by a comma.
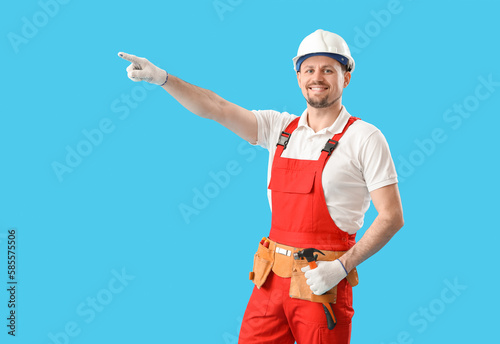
[(330, 146), (283, 140)]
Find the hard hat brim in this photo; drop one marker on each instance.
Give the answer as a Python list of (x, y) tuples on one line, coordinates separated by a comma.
[(350, 64), (338, 57)]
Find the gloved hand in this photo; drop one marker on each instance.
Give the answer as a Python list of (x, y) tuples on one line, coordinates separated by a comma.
[(143, 70), (326, 276)]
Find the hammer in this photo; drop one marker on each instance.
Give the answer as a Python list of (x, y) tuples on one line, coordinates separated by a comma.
[(311, 258)]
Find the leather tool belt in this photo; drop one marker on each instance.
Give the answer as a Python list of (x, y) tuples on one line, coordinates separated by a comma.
[(279, 259)]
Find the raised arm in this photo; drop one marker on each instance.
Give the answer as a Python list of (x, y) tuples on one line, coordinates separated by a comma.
[(200, 101)]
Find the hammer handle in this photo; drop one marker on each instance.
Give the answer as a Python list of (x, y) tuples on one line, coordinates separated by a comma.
[(330, 316)]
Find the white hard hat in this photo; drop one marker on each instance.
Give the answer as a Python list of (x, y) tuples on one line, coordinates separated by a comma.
[(325, 43)]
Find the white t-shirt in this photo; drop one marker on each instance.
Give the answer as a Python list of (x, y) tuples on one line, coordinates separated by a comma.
[(359, 164)]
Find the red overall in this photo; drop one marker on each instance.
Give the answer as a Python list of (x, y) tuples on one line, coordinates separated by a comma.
[(300, 218)]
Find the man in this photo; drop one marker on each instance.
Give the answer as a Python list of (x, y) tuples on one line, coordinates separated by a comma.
[(324, 167)]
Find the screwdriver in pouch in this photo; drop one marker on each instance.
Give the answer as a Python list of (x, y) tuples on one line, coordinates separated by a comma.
[(265, 242)]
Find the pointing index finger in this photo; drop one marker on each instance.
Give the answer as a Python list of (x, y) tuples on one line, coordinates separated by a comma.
[(131, 58)]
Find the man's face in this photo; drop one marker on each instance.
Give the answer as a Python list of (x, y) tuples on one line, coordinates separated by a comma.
[(322, 81)]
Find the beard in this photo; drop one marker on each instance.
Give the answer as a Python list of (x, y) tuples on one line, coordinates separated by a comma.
[(321, 103)]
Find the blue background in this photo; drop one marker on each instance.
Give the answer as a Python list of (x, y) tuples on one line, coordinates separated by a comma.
[(117, 210)]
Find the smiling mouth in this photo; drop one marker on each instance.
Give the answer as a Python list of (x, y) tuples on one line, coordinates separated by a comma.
[(317, 88)]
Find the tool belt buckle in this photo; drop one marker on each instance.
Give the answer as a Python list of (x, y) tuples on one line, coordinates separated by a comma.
[(284, 252)]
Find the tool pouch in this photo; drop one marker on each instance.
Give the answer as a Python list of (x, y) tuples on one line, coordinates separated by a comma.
[(266, 259), (299, 289), (262, 263)]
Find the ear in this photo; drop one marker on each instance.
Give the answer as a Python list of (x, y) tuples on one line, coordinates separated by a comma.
[(298, 78), (347, 78)]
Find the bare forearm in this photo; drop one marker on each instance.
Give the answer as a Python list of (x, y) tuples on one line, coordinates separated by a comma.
[(200, 101), (207, 104), (376, 236)]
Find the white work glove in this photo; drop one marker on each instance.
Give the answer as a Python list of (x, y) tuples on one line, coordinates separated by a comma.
[(326, 276), (143, 70)]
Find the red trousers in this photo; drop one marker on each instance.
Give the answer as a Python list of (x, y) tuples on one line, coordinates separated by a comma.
[(273, 317)]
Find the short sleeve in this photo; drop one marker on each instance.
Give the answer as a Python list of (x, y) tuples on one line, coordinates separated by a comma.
[(376, 161), (270, 124)]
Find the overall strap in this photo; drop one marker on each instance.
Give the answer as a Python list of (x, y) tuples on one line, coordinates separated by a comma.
[(332, 143), (285, 136)]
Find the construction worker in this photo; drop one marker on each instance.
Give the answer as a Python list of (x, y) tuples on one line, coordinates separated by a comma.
[(324, 168)]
